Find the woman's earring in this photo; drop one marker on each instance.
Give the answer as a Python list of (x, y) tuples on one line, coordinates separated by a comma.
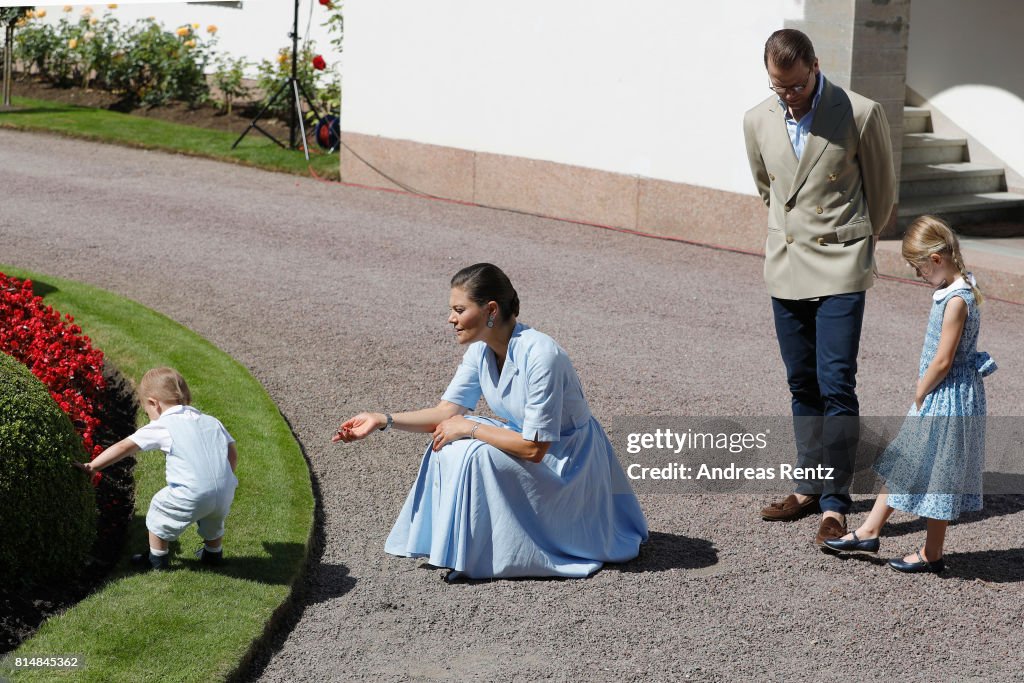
[(490, 321)]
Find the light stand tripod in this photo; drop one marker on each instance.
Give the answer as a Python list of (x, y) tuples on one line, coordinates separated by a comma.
[(293, 86)]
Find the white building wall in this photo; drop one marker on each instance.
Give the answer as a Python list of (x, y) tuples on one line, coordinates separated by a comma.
[(654, 88), (966, 59)]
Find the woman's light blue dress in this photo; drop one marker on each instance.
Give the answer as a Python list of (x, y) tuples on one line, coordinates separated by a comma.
[(933, 468), (485, 513)]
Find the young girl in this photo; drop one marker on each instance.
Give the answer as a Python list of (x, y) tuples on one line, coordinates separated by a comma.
[(933, 468), (201, 459)]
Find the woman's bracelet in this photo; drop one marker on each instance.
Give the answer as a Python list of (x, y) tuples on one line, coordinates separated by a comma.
[(472, 432)]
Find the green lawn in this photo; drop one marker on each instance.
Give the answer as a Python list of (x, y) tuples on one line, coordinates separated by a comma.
[(137, 131), (189, 623)]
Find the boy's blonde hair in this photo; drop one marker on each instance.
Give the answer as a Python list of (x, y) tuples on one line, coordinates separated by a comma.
[(165, 385), (928, 235)]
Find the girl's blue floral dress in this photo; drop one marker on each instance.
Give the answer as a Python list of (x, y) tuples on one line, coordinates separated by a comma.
[(933, 468)]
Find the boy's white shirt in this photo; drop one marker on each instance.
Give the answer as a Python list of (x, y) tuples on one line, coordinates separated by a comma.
[(156, 436), (201, 462)]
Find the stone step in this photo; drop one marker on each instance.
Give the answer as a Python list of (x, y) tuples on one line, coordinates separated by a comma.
[(916, 120), (929, 148), (996, 214), (922, 180)]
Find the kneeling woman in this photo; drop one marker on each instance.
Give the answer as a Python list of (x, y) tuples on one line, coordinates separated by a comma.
[(538, 492)]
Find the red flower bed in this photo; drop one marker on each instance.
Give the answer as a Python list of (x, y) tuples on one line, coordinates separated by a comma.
[(56, 352)]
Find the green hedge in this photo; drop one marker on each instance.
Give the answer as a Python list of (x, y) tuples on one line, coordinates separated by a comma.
[(47, 507)]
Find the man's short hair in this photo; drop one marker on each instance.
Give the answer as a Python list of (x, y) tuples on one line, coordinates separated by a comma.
[(788, 46)]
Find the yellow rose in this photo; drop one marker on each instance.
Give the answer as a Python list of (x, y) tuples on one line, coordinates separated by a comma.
[(112, 5), (30, 14), (86, 11), (73, 43), (282, 57), (190, 43), (94, 21), (68, 8), (211, 29), (195, 26), (40, 13), (183, 31)]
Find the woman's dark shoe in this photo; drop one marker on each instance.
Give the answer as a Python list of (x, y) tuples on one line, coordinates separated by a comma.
[(922, 566), (868, 546)]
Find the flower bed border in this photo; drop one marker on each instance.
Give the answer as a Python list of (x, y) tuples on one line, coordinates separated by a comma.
[(142, 627)]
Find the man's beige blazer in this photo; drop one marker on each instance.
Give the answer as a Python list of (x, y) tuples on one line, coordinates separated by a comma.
[(823, 208)]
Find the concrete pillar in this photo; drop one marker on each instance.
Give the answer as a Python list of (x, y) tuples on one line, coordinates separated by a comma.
[(862, 45)]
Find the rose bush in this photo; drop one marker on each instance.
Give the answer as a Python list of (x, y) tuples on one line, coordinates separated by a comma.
[(143, 62)]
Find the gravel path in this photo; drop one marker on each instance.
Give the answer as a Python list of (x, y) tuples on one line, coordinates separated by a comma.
[(336, 298)]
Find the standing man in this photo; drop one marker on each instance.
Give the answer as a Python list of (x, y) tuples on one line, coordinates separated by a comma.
[(822, 161)]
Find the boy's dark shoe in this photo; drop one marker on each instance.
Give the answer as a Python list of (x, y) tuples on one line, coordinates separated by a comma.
[(208, 558), (146, 561)]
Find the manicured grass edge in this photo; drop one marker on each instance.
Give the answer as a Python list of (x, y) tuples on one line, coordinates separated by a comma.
[(125, 140), (268, 554)]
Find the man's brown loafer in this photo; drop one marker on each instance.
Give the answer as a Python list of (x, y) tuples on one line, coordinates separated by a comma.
[(829, 529), (789, 509)]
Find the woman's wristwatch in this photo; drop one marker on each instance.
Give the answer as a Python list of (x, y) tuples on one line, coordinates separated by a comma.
[(387, 425)]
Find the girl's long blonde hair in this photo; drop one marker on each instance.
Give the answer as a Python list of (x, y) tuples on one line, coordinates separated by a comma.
[(165, 385), (928, 235)]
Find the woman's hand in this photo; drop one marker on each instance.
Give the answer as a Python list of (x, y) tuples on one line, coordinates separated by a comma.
[(359, 427), (452, 429), (919, 396), (84, 466)]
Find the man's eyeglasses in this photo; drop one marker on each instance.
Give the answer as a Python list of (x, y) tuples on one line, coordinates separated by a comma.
[(795, 89)]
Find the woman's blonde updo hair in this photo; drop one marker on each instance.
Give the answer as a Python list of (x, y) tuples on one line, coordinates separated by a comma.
[(165, 385), (929, 235)]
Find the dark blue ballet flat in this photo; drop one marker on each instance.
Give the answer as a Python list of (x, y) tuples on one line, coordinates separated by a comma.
[(868, 546), (922, 566)]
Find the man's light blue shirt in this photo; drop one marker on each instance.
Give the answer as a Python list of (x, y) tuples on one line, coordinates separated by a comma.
[(799, 130)]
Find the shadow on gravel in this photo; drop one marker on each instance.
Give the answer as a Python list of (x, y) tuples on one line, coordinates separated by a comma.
[(995, 506), (319, 582), (994, 566), (663, 552), (660, 553), (322, 582)]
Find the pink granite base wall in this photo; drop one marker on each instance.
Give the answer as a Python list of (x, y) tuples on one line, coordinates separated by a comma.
[(557, 190), (547, 188)]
